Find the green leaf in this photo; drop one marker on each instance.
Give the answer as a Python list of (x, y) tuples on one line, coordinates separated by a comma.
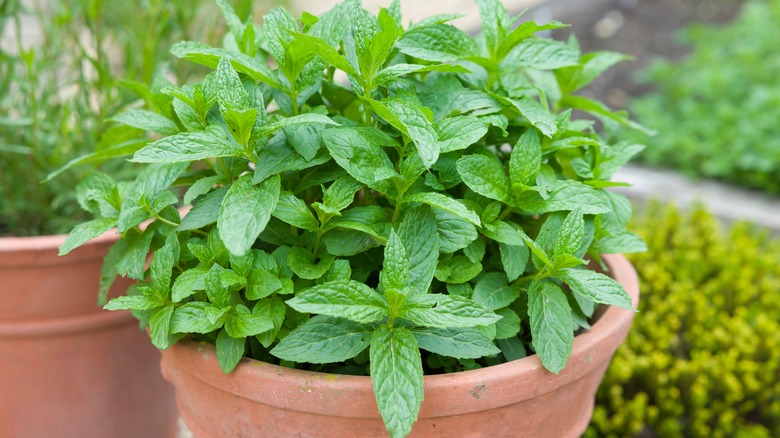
[(219, 283), (147, 120), (514, 258), (245, 211), (493, 292), (495, 23), (187, 147), (242, 323), (159, 326), (275, 309), (459, 132), (359, 152), (163, 262), (326, 52), (419, 235), (231, 94), (455, 233), (475, 251), (301, 119), (566, 195), (542, 54), (131, 262), (343, 299), (294, 211), (261, 283), (460, 343), (485, 176), (134, 302), (341, 193), (551, 324), (200, 187), (395, 267), (301, 261), (446, 311), (523, 31), (198, 317), (279, 25), (594, 64), (596, 287), (412, 122), (304, 138), (205, 212), (438, 43), (538, 115), (323, 339), (188, 282), (397, 70), (600, 110), (570, 236), (526, 159), (397, 377), (445, 203), (229, 351), (85, 232), (509, 325), (458, 269), (210, 56)]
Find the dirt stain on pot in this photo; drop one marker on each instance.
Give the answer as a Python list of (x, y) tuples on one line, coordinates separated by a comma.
[(479, 391)]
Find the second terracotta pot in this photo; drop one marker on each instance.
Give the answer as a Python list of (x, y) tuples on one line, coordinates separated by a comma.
[(69, 369), (515, 399)]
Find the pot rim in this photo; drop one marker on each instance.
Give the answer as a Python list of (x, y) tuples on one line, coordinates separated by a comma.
[(590, 350)]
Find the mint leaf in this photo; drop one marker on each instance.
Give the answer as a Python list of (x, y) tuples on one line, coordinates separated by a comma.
[(159, 326), (245, 211), (198, 317), (460, 343), (445, 203), (205, 212), (294, 211), (210, 56), (262, 283), (341, 193), (242, 323), (229, 351), (526, 159), (188, 146), (596, 287), (438, 43), (231, 94), (275, 310), (395, 268), (147, 120), (413, 123), (571, 234), (84, 232), (538, 115), (343, 299), (514, 258), (419, 235), (566, 195), (134, 302), (551, 324), (397, 377), (542, 54), (459, 132), (302, 263), (359, 152), (323, 339), (200, 187), (493, 292), (326, 52), (396, 70), (455, 233), (485, 176), (495, 23), (445, 311)]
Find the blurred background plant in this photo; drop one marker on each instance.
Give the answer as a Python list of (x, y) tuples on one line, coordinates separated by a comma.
[(716, 110), (66, 66), (703, 359)]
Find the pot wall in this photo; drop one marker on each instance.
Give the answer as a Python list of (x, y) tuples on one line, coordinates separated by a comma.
[(516, 399), (68, 368)]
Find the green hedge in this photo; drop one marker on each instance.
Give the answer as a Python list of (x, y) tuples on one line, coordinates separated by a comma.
[(703, 356), (716, 110)]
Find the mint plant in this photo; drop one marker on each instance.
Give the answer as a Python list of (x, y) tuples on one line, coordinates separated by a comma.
[(429, 212)]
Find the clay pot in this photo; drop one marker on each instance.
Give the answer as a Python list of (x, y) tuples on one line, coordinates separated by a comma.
[(515, 399), (67, 367)]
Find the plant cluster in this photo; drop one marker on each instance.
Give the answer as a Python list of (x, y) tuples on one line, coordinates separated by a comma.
[(704, 358), (715, 110), (59, 86), (440, 198)]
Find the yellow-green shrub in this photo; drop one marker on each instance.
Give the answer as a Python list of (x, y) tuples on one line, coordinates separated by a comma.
[(703, 356)]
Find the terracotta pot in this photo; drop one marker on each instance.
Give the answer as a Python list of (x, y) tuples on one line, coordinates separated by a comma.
[(515, 399), (67, 367)]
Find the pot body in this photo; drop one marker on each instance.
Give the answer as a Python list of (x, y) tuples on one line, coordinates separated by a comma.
[(67, 367), (515, 399)]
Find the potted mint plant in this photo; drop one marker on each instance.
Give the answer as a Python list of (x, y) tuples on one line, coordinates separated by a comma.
[(391, 228)]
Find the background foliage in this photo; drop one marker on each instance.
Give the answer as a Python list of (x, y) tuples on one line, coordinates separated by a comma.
[(716, 110), (703, 356), (56, 95)]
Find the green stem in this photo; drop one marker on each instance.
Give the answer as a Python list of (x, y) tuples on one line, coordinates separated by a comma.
[(165, 221)]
